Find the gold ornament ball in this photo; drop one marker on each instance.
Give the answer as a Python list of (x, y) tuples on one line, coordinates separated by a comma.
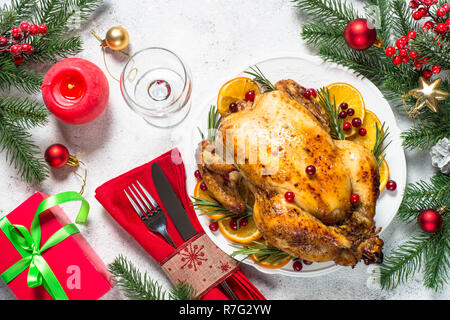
[(117, 38)]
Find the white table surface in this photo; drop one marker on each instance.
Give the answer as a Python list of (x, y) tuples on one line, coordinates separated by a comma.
[(213, 37)]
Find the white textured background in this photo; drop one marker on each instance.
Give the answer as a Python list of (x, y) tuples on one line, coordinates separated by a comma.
[(213, 37)]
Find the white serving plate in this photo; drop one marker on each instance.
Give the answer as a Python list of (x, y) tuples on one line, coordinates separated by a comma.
[(310, 72)]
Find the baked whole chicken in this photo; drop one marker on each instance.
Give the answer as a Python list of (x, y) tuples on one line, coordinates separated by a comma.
[(264, 149)]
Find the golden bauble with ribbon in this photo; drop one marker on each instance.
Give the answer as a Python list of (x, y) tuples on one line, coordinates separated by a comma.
[(428, 95), (117, 38)]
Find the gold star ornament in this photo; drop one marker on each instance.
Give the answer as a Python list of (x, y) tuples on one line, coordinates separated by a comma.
[(428, 94)]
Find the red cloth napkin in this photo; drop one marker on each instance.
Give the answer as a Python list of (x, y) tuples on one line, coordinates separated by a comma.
[(112, 197)]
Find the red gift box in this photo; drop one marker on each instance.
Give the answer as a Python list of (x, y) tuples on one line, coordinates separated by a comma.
[(78, 269)]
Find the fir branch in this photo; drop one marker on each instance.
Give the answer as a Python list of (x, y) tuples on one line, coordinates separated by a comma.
[(58, 47), (384, 14), (141, 287), (334, 12), (402, 20), (328, 103), (21, 152), (262, 252), (316, 34), (432, 46), (11, 76), (23, 112), (261, 79)]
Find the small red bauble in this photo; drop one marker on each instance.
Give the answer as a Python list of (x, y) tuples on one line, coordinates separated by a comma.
[(390, 51), (391, 185), (351, 112), (16, 50), (214, 226), (27, 48), (250, 96), (203, 186), (362, 131), (289, 196), (233, 107), (360, 34), (397, 60), (42, 29), (310, 170), (427, 74), (347, 126), (412, 34), (34, 30), (436, 69), (57, 155), (342, 114), (343, 106), (430, 221), (3, 41), (441, 28), (197, 174), (356, 122), (354, 198), (24, 26), (297, 266)]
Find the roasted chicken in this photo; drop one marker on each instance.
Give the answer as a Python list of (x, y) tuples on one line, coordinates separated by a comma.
[(265, 148)]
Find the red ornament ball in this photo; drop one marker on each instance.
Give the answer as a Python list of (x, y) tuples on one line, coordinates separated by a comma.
[(360, 34), (57, 155), (430, 220)]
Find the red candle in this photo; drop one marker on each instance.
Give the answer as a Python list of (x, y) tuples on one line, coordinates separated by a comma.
[(75, 90)]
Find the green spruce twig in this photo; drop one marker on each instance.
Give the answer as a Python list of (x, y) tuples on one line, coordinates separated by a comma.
[(23, 112)]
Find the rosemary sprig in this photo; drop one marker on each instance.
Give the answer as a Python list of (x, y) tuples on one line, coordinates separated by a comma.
[(261, 251), (260, 78), (380, 145), (329, 105), (214, 120)]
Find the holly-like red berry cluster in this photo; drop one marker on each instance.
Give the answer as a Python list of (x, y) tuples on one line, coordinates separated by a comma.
[(402, 53), (17, 45)]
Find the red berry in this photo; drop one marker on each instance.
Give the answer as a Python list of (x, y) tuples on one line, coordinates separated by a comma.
[(42, 29), (27, 48), (16, 34), (33, 30), (412, 34), (226, 177), (197, 174), (441, 12), (423, 11), (342, 114), (418, 65), (351, 112), (310, 170), (413, 55), (436, 69), (16, 50), (447, 22), (428, 25), (404, 39), (391, 185), (397, 60), (289, 196), (203, 186), (403, 52), (356, 122), (24, 26), (243, 222), (347, 126), (400, 43), (441, 28), (307, 94), (362, 131), (405, 59), (343, 105), (313, 92), (298, 266), (390, 51), (354, 198), (3, 41), (417, 15), (446, 7), (214, 226), (18, 60), (427, 74), (250, 96), (413, 4), (233, 224), (233, 107), (307, 262), (427, 2)]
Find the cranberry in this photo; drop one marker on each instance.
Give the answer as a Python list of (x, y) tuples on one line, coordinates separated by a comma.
[(307, 94), (356, 122), (362, 131), (436, 69), (243, 222), (33, 30), (391, 185), (289, 196), (233, 107), (250, 96), (343, 105), (307, 262), (347, 126), (313, 92), (233, 224), (24, 26), (310, 170), (350, 112), (42, 29), (397, 60), (298, 266), (197, 174), (203, 186), (226, 177), (390, 51), (214, 226), (354, 198), (342, 114)]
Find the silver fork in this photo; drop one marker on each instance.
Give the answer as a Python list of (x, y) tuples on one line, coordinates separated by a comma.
[(151, 214)]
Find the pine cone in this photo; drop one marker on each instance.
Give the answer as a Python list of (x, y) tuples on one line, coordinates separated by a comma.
[(440, 155)]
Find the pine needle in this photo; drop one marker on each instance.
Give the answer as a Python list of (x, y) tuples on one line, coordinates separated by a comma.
[(261, 251), (380, 143), (328, 103), (261, 79)]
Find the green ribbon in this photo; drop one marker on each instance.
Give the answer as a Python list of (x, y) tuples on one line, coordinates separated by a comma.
[(28, 244)]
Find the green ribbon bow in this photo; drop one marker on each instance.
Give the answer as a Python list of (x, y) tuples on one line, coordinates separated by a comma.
[(28, 244)]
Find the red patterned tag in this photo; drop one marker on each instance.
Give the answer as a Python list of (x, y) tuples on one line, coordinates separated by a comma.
[(200, 263)]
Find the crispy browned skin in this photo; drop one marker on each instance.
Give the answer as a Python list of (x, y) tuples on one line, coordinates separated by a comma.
[(272, 143)]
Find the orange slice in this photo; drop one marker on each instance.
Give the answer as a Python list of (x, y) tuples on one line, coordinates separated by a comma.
[(343, 92), (267, 264), (370, 122), (233, 91), (199, 193), (244, 234), (384, 174)]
